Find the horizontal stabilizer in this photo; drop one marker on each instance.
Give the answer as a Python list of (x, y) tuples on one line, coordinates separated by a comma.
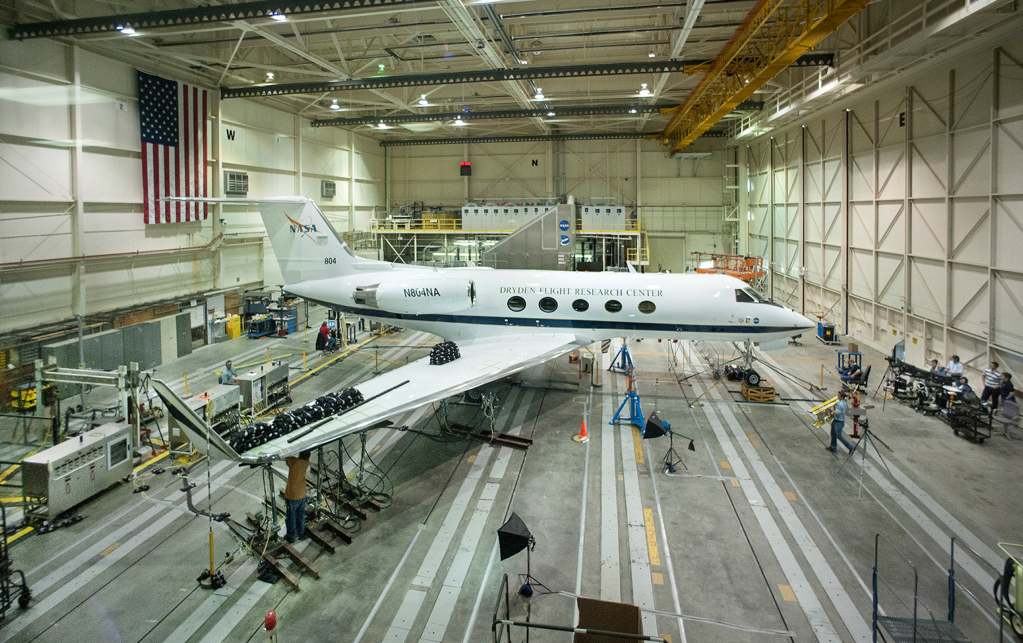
[(195, 428)]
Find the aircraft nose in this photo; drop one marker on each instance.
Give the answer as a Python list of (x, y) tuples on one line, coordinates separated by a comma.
[(802, 322)]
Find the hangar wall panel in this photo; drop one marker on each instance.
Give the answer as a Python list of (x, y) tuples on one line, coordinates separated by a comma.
[(85, 233), (678, 201), (908, 211)]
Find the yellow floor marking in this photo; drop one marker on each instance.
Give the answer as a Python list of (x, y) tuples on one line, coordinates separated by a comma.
[(150, 461), (657, 577), (10, 470), (725, 465), (651, 537), (755, 443), (621, 477), (750, 434), (790, 495), (666, 637), (735, 482), (635, 444), (15, 536), (109, 549), (472, 458), (787, 593)]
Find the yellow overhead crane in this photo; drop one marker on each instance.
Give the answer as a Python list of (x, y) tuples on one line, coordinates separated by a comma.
[(773, 36)]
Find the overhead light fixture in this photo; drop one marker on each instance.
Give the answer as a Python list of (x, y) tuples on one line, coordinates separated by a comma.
[(523, 61), (550, 114), (632, 111), (651, 55), (269, 75), (380, 66), (539, 94), (279, 17), (128, 31), (459, 122), (423, 101), (334, 105), (382, 125), (643, 90)]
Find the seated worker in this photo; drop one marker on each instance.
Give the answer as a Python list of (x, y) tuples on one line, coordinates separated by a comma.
[(325, 340), (853, 374), (937, 370), (954, 366), (227, 376), (964, 385)]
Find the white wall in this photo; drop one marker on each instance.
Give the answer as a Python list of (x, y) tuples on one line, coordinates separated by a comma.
[(85, 232), (905, 210), (680, 203)]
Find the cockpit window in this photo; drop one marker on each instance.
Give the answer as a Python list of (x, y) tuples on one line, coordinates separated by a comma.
[(749, 296)]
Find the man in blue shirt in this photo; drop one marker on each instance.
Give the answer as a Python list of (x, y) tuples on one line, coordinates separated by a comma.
[(838, 424)]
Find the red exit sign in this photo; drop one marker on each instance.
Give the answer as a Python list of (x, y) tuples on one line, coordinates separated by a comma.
[(465, 168)]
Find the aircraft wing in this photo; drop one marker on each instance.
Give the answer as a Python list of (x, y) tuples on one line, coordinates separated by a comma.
[(402, 389)]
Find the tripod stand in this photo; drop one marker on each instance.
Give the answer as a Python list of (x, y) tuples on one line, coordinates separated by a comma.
[(867, 439), (527, 580), (672, 457)]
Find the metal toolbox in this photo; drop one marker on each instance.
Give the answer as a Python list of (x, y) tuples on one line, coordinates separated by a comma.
[(74, 471)]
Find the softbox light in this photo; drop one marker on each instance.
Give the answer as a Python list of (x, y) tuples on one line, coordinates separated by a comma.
[(513, 536), (654, 427)]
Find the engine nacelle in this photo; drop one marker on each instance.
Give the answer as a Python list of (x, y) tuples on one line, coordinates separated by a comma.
[(419, 296)]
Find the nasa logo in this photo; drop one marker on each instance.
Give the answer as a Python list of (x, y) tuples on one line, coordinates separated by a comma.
[(301, 228), (563, 225), (756, 320), (565, 240)]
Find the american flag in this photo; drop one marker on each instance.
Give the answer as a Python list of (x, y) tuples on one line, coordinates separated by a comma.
[(173, 123)]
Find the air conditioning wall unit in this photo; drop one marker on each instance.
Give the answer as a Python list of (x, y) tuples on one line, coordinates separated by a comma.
[(236, 183), (328, 189)]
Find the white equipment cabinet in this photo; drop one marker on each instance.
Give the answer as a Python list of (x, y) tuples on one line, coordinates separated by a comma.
[(72, 472)]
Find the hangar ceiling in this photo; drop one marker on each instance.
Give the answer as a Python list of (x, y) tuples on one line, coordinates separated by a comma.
[(407, 69)]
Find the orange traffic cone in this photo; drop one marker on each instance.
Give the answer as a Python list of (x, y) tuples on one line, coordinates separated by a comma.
[(583, 436)]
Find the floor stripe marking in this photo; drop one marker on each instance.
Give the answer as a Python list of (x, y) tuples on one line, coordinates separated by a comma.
[(610, 574), (651, 537), (642, 586)]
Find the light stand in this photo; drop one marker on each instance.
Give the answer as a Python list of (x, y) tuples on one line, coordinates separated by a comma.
[(868, 438), (527, 581), (655, 428), (512, 537)]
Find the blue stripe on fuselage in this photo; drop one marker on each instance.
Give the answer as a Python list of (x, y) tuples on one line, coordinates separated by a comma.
[(549, 322)]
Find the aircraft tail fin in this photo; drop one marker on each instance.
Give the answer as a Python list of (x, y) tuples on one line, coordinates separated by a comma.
[(306, 245)]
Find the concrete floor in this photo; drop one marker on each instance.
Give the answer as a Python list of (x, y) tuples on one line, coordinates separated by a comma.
[(764, 536)]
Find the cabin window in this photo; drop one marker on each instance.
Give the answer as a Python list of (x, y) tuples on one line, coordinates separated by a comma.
[(647, 307), (548, 304), (580, 305), (506, 210), (486, 210), (613, 306), (517, 304)]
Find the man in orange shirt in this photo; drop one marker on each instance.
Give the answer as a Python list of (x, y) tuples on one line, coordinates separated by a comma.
[(294, 496)]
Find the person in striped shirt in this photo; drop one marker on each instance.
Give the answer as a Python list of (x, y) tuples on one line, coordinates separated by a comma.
[(992, 380)]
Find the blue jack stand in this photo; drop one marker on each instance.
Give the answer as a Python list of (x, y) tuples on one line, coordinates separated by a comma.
[(625, 365), (635, 413)]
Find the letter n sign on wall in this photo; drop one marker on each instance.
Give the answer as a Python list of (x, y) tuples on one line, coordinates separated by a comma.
[(465, 168)]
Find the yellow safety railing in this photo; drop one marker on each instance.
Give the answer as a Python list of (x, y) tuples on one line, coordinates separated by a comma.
[(638, 254), (590, 227), (384, 225)]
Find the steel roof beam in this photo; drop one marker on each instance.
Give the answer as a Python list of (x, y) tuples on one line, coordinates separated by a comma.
[(608, 110), (775, 35), (196, 15), (517, 139)]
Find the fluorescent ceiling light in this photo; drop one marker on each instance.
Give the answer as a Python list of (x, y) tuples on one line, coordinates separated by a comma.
[(551, 114), (334, 105), (383, 125), (651, 55), (279, 17), (128, 31), (459, 122)]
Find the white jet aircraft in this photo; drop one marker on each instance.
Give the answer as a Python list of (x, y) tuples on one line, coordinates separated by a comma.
[(502, 321)]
